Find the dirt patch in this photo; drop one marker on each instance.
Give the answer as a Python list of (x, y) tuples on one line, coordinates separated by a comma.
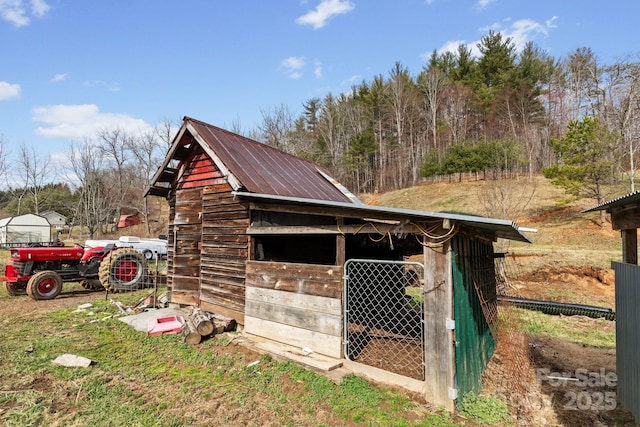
[(579, 382), (579, 285), (549, 214), (22, 306)]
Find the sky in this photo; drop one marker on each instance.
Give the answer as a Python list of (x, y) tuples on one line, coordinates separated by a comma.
[(70, 68)]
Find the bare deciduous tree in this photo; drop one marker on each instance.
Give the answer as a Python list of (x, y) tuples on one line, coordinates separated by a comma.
[(95, 206), (147, 150)]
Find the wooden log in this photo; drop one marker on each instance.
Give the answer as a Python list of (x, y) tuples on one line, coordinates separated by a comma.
[(227, 323), (190, 334), (202, 322)]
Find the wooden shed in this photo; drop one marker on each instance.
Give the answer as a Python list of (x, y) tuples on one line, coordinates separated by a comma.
[(24, 229), (274, 242)]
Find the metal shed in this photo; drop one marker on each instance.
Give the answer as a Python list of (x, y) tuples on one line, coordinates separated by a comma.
[(24, 229), (274, 242)]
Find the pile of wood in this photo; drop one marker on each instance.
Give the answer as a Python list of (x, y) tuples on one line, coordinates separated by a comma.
[(199, 324)]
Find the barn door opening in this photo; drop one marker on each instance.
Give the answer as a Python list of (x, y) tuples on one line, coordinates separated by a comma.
[(384, 315)]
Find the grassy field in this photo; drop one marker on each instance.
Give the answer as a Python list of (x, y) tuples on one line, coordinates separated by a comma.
[(138, 380)]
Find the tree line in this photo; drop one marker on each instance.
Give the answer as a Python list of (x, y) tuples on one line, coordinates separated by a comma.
[(105, 176), (497, 113), (500, 113)]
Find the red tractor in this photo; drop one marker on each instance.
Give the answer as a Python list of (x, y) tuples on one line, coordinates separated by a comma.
[(41, 271)]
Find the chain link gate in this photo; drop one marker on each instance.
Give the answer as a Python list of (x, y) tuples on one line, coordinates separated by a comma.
[(384, 315)]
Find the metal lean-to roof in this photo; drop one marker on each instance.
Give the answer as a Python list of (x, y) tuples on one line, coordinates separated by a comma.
[(626, 200), (488, 226)]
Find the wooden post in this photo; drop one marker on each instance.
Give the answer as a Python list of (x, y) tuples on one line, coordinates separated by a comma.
[(340, 245), (439, 337), (630, 246)]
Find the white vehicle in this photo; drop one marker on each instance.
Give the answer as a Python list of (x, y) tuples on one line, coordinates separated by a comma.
[(150, 248)]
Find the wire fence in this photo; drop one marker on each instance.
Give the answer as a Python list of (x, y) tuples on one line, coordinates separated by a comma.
[(129, 270), (384, 312)]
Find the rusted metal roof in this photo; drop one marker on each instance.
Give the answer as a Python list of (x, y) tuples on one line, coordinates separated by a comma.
[(626, 200), (250, 166)]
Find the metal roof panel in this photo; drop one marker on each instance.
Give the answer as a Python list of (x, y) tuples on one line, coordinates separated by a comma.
[(495, 227)]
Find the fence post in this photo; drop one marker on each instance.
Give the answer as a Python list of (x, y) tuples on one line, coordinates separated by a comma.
[(439, 345)]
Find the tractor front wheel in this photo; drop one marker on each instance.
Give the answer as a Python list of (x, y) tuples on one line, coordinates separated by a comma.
[(15, 289), (44, 285), (123, 269)]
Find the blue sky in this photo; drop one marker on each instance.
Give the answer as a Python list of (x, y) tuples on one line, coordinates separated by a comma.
[(69, 68)]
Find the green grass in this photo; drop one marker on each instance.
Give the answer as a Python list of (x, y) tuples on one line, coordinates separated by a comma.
[(485, 409), (597, 333), (160, 381)]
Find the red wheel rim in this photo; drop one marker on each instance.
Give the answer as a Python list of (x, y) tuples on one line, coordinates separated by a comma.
[(47, 287), (126, 271)]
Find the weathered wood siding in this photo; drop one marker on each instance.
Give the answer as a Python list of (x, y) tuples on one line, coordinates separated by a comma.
[(225, 250), (200, 171), (184, 257), (296, 304)]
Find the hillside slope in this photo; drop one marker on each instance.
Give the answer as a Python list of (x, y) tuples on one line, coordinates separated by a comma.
[(570, 256)]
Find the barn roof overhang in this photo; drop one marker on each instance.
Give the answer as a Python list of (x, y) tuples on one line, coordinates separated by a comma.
[(624, 210), (491, 227), (631, 199)]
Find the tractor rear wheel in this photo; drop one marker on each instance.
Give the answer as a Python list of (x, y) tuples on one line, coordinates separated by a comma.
[(15, 289), (44, 285), (123, 269)]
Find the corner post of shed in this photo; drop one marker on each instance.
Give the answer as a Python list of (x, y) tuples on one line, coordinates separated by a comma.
[(629, 246), (439, 335)]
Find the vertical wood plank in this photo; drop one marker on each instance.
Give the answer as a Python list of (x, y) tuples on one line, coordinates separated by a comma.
[(439, 342), (630, 246)]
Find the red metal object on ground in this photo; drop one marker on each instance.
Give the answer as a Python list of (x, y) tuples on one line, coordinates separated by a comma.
[(165, 325)]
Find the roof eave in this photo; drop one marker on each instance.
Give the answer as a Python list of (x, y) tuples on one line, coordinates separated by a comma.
[(498, 228)]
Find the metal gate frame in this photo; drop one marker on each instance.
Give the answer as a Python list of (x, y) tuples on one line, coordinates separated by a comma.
[(377, 309)]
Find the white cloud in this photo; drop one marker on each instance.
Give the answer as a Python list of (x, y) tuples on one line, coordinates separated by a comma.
[(317, 71), (351, 80), (58, 78), (9, 91), (521, 32), (16, 13), (292, 65), (39, 8), (524, 30), (484, 3), (326, 10), (75, 122), (452, 46)]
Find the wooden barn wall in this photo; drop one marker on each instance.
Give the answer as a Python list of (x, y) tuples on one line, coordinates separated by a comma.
[(186, 230), (170, 242), (200, 171), (296, 304), (225, 250)]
